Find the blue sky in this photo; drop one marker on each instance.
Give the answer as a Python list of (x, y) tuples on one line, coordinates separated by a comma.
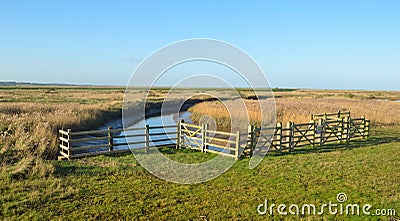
[(302, 44)]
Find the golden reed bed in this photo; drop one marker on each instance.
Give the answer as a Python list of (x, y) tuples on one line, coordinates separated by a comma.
[(292, 109)]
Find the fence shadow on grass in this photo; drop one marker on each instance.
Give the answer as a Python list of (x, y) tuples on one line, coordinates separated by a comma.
[(92, 168), (65, 170), (378, 137)]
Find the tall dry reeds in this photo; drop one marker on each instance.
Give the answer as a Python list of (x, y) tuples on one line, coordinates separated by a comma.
[(383, 113), (30, 118), (28, 132)]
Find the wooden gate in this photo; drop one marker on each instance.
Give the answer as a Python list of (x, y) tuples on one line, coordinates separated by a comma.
[(322, 129), (302, 134), (332, 131), (265, 137), (191, 136), (199, 137), (358, 127)]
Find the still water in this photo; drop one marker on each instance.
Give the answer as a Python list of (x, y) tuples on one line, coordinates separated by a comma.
[(165, 120)]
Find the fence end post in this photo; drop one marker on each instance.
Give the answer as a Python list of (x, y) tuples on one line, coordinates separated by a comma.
[(363, 127), (366, 128), (69, 143)]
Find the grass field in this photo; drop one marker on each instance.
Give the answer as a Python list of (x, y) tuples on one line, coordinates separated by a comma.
[(107, 187), (116, 187)]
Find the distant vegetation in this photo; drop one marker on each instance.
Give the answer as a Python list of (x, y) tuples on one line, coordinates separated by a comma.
[(283, 89), (15, 83)]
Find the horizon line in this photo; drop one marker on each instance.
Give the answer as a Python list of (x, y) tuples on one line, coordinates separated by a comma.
[(8, 83)]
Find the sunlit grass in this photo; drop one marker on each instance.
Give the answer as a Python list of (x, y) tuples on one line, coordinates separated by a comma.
[(107, 187)]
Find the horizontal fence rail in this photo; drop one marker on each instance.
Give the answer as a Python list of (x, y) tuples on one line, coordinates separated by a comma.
[(340, 114), (322, 129), (75, 144), (199, 137), (329, 128)]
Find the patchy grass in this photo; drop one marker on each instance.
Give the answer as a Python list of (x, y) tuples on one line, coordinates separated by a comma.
[(107, 187)]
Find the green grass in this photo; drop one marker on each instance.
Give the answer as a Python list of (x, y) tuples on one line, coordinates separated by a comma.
[(107, 187)]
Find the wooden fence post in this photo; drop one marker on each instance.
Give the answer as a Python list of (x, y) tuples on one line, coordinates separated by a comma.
[(289, 134), (147, 137), (237, 145), (178, 134), (278, 136), (340, 130), (181, 135), (69, 143), (363, 126), (60, 141), (313, 131), (346, 131), (204, 128), (321, 131), (366, 128), (250, 138), (110, 139), (61, 135)]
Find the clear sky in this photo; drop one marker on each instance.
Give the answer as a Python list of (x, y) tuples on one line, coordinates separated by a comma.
[(307, 44)]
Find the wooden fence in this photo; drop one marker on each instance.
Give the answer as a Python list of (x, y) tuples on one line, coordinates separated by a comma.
[(322, 129), (75, 144), (340, 114), (199, 137)]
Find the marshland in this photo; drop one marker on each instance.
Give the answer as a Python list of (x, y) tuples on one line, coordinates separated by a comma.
[(35, 185)]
